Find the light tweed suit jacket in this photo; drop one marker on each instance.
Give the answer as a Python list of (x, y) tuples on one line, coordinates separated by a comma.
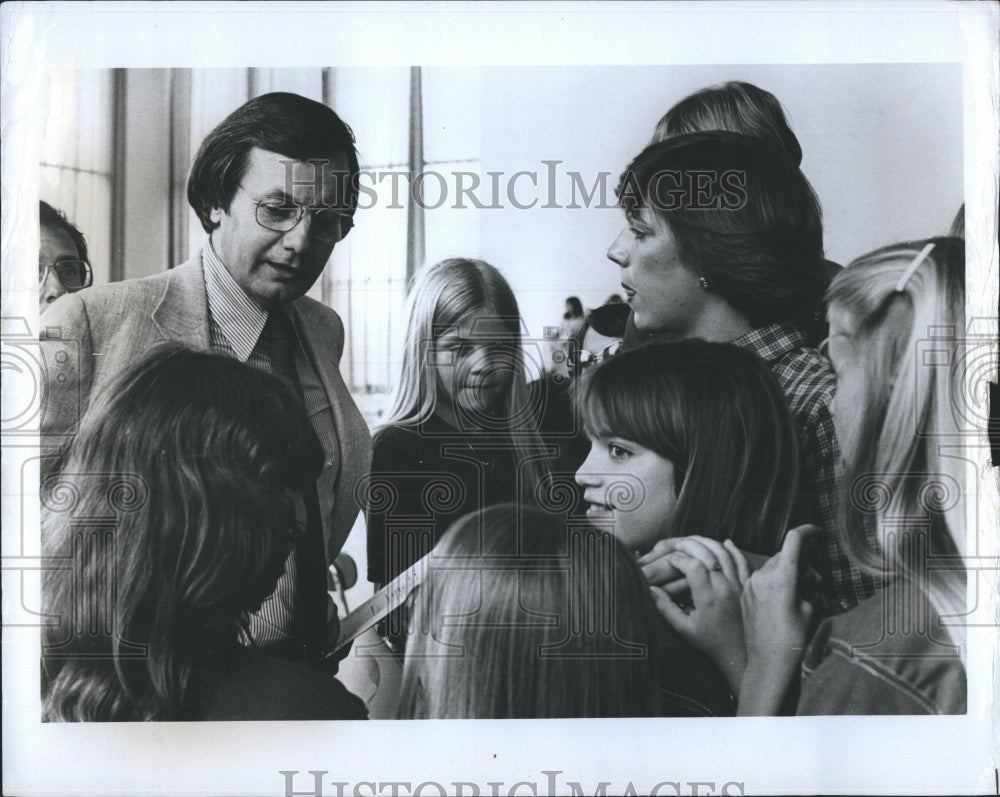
[(90, 336)]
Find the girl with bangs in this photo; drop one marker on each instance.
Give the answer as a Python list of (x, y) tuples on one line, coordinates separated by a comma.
[(692, 451), (901, 651), (175, 513), (463, 430)]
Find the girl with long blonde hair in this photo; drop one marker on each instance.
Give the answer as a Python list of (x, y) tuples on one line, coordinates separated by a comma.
[(463, 429)]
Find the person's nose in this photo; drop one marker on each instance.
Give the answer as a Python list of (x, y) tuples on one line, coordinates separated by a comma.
[(588, 475), (297, 239), (483, 358), (618, 251), (50, 289)]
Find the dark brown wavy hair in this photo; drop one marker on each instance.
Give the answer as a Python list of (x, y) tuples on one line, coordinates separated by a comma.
[(173, 514), (291, 125)]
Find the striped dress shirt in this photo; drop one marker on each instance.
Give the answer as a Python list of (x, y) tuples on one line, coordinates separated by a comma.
[(236, 323)]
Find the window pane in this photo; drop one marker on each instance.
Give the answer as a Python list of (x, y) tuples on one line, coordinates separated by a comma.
[(375, 102), (305, 82), (76, 157), (452, 230), (367, 288), (452, 100)]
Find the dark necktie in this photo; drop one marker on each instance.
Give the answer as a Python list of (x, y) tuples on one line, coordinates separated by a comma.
[(310, 554)]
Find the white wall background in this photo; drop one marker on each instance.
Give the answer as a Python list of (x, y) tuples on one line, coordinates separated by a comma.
[(882, 146)]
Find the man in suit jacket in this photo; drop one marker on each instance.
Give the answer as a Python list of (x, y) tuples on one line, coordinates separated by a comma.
[(275, 186)]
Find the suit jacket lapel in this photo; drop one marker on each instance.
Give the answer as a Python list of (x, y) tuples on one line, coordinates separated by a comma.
[(325, 348), (324, 345), (182, 313)]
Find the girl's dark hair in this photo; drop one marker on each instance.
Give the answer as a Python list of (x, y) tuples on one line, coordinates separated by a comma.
[(291, 125), (743, 217), (719, 415), (524, 616), (175, 508)]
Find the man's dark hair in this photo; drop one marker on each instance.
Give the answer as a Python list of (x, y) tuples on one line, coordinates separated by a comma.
[(48, 216), (291, 125), (752, 227)]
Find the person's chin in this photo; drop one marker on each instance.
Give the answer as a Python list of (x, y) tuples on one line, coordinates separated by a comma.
[(641, 321), (277, 292)]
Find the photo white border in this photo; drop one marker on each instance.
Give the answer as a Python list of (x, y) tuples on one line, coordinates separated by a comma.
[(781, 755)]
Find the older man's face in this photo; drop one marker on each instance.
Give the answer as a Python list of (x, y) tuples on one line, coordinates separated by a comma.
[(275, 267)]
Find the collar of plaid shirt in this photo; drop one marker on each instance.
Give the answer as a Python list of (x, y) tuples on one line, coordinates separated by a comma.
[(774, 341)]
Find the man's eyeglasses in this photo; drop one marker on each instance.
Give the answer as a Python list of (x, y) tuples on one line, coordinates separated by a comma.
[(581, 359), (73, 274), (326, 224)]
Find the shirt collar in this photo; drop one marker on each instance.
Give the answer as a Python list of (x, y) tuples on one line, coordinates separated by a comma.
[(238, 317), (774, 341)]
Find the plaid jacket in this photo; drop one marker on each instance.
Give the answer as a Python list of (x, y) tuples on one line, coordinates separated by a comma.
[(809, 385)]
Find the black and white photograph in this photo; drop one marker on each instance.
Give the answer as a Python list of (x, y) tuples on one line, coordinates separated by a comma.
[(500, 399)]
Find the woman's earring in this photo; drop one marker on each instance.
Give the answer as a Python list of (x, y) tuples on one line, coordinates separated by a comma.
[(703, 282)]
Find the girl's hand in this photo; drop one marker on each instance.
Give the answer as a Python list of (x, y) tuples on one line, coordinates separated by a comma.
[(660, 571), (715, 624), (776, 624)]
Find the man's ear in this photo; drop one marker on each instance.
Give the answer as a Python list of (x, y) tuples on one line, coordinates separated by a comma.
[(215, 214)]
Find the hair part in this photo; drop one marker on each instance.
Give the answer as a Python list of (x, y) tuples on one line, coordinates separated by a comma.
[(199, 454), (718, 414), (483, 643), (291, 125)]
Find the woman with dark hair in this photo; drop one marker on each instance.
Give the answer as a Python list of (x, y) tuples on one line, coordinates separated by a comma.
[(750, 111), (723, 241), (195, 459), (523, 617)]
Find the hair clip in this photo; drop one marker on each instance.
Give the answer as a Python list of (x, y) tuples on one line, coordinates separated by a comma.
[(905, 276)]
